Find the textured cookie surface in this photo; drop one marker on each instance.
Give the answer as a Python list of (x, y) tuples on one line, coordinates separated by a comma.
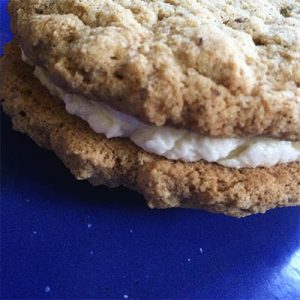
[(115, 162), (220, 68)]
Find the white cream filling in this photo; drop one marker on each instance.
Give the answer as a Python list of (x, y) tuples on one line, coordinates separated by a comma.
[(175, 143)]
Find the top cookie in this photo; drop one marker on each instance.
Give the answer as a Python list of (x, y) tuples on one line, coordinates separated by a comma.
[(220, 68)]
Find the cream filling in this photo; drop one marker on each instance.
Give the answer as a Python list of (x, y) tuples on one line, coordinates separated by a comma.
[(174, 143)]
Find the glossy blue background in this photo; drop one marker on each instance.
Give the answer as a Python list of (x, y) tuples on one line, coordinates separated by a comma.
[(61, 238)]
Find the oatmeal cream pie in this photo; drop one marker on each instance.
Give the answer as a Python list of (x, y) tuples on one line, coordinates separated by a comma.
[(193, 103)]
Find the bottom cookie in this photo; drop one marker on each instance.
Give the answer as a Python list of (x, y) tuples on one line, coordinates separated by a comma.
[(113, 162)]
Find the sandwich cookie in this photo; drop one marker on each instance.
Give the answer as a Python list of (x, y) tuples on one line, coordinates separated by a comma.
[(192, 104)]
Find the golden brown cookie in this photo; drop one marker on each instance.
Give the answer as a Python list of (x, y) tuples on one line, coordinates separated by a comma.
[(220, 68), (114, 162)]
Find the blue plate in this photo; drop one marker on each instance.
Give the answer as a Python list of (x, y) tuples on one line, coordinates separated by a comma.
[(61, 238)]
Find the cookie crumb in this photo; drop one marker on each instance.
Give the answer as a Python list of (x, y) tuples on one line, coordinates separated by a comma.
[(286, 11), (200, 42)]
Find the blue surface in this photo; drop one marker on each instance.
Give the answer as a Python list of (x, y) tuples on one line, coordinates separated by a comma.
[(61, 238)]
